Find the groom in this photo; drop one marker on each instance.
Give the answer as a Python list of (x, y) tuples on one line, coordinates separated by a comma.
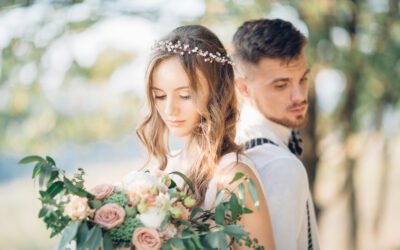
[(271, 76)]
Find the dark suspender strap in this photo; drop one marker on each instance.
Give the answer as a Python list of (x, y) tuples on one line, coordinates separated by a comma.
[(309, 236), (257, 142)]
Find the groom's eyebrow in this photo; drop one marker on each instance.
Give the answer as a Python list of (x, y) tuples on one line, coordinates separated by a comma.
[(306, 72), (287, 79), (281, 79)]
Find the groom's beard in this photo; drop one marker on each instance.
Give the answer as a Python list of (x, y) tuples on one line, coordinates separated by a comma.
[(298, 122)]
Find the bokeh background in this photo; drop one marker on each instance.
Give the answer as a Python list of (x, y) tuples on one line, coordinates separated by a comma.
[(71, 86)]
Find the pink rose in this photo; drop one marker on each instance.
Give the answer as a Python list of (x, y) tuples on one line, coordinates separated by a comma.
[(109, 216), (102, 191), (146, 239)]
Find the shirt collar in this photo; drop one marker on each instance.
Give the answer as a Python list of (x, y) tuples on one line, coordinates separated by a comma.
[(253, 124)]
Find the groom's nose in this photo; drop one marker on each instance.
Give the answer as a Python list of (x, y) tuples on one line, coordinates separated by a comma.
[(297, 94)]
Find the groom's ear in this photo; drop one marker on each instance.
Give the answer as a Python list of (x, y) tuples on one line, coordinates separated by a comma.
[(241, 85)]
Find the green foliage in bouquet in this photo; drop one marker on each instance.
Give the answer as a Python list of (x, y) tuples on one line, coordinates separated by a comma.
[(119, 198), (53, 186), (122, 235)]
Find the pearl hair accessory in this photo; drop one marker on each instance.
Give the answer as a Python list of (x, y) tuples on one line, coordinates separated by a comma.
[(181, 49)]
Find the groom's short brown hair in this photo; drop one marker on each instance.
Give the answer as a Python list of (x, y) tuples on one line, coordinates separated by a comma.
[(271, 38)]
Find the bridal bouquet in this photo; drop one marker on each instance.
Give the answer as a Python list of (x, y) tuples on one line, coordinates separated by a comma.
[(146, 211)]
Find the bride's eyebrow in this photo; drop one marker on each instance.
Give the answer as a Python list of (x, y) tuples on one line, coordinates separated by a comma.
[(178, 88)]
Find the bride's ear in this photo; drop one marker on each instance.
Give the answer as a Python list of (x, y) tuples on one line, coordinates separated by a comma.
[(241, 85)]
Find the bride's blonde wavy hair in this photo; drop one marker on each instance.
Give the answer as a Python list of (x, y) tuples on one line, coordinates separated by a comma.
[(216, 130)]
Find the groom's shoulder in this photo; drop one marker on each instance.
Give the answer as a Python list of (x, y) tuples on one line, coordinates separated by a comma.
[(276, 162)]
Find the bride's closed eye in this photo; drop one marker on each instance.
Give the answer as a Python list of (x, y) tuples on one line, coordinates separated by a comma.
[(185, 97), (159, 97)]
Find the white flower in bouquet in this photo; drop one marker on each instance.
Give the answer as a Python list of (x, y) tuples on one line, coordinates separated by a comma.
[(77, 208), (152, 217), (142, 182), (164, 201)]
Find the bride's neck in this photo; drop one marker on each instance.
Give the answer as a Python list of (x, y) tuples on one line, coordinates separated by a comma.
[(190, 151)]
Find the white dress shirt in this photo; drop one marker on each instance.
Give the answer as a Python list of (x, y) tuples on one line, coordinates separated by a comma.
[(284, 179)]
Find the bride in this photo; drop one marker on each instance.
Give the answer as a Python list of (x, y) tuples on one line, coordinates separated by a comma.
[(191, 95)]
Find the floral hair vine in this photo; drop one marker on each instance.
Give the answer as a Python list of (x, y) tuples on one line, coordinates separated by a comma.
[(181, 49)]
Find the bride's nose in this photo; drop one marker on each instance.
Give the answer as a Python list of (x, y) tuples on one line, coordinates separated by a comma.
[(171, 106)]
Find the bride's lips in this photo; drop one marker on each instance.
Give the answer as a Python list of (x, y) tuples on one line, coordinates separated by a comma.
[(175, 123)]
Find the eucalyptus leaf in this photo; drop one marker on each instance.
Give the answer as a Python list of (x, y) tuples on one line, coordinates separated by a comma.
[(94, 239), (37, 169), (220, 214), (241, 193), (212, 240), (178, 243), (238, 176), (235, 231), (69, 234), (186, 179), (253, 192), (43, 212), (166, 245), (219, 197), (195, 211), (82, 235), (235, 207), (76, 190), (222, 242), (29, 159), (44, 176), (107, 242), (55, 188), (50, 160), (189, 244)]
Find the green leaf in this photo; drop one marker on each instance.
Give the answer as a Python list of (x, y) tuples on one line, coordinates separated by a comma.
[(44, 176), (235, 207), (253, 192), (94, 239), (36, 170), (223, 244), (54, 175), (50, 160), (189, 244), (166, 245), (55, 188), (83, 231), (186, 179), (220, 214), (29, 159), (219, 197), (69, 234), (212, 240), (107, 242), (241, 194), (235, 231), (75, 190), (197, 242), (238, 176), (195, 211), (178, 243), (43, 212), (247, 211)]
